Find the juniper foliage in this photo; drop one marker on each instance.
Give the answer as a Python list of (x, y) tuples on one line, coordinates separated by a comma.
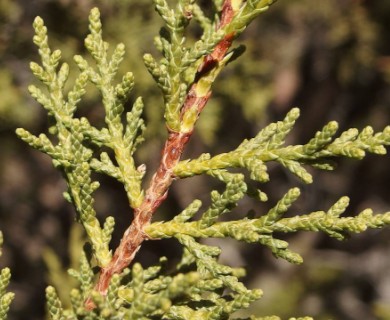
[(200, 287), (5, 297)]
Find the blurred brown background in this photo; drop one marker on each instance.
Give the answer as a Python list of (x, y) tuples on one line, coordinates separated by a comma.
[(331, 58)]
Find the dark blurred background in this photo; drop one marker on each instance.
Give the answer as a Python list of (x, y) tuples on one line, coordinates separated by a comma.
[(331, 58)]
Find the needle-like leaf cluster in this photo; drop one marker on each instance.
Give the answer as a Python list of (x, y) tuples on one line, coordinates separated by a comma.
[(77, 138), (5, 297)]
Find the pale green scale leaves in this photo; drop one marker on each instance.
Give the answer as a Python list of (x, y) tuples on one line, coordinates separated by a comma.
[(282, 129), (166, 13), (321, 138), (5, 297), (41, 41), (249, 11), (222, 203), (188, 212), (71, 155), (261, 229), (268, 145), (203, 47), (5, 302), (353, 144), (281, 207), (206, 260), (54, 305), (84, 275), (77, 92), (135, 128), (123, 89), (108, 229), (158, 295), (176, 71), (297, 169), (123, 141)]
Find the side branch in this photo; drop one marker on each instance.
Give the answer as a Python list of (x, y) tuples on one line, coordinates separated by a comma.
[(155, 195)]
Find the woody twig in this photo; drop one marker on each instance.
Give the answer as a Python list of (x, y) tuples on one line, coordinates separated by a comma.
[(196, 99)]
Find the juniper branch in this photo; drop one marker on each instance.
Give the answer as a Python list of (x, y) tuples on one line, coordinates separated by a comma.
[(180, 121), (185, 74), (268, 146), (262, 230)]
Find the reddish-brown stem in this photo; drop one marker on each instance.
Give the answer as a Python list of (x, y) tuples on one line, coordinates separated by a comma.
[(163, 178), (155, 195)]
